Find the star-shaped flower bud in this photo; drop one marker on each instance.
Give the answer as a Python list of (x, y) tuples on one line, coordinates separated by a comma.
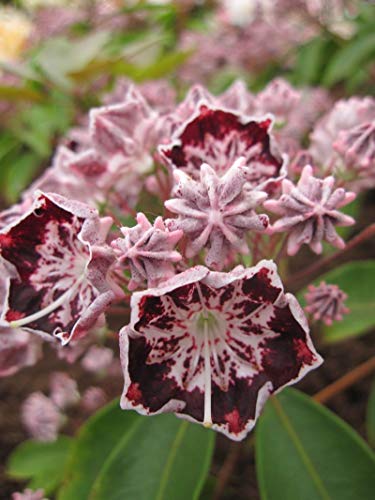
[(64, 390), (310, 212), (149, 250), (216, 212), (219, 137), (279, 98), (59, 280), (41, 417), (18, 349), (212, 347), (357, 146), (29, 494), (326, 302)]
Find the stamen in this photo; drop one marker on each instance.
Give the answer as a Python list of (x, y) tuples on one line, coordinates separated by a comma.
[(207, 419), (50, 308)]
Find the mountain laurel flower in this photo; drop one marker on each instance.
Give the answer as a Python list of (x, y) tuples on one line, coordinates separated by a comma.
[(357, 146), (212, 347), (63, 390), (93, 398), (326, 303), (278, 98), (218, 137), (41, 417), (309, 212), (149, 250), (216, 212), (60, 282)]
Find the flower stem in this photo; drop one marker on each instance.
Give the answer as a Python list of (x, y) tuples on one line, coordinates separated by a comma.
[(299, 280), (358, 373), (207, 419)]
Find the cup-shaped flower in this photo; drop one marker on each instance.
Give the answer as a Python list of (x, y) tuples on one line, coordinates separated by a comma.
[(212, 347), (326, 303), (219, 137), (309, 212), (59, 281), (149, 250), (216, 212)]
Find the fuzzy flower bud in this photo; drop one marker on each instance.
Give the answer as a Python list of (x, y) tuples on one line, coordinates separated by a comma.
[(41, 417), (216, 212), (309, 212), (97, 359), (148, 250), (64, 390), (326, 303), (357, 146)]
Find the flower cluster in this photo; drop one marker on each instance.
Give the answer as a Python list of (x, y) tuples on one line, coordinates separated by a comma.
[(158, 210)]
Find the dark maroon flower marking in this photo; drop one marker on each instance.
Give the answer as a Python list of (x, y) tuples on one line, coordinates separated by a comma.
[(211, 347), (59, 261), (219, 138)]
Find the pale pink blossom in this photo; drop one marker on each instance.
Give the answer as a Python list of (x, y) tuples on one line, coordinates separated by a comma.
[(97, 359), (93, 398), (216, 212), (63, 390), (326, 303), (149, 250), (309, 212), (41, 417), (29, 494)]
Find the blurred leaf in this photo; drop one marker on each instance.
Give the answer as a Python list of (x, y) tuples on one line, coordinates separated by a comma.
[(162, 457), (310, 61), (351, 58), (356, 279), (371, 416), (42, 463), (37, 125), (94, 443), (19, 94), (19, 175), (59, 57), (304, 451)]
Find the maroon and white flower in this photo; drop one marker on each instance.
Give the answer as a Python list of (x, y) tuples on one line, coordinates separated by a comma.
[(212, 347), (309, 212), (326, 303), (219, 138), (41, 417), (149, 250), (64, 390), (59, 282), (216, 212)]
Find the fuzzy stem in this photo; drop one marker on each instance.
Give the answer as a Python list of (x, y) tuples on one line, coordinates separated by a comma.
[(358, 373), (299, 280)]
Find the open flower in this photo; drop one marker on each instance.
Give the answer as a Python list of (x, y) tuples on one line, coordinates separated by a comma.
[(219, 138), (310, 212), (216, 212), (59, 263), (149, 250), (212, 347)]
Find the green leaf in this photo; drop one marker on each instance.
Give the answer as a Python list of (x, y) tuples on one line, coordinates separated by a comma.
[(162, 457), (59, 57), (43, 463), (350, 59), (310, 60), (370, 421), (19, 174), (15, 94), (95, 441), (357, 280), (304, 451)]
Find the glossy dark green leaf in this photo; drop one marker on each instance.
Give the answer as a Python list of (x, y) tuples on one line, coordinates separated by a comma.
[(350, 58), (41, 463), (357, 280), (371, 416), (304, 451), (161, 458), (93, 445)]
